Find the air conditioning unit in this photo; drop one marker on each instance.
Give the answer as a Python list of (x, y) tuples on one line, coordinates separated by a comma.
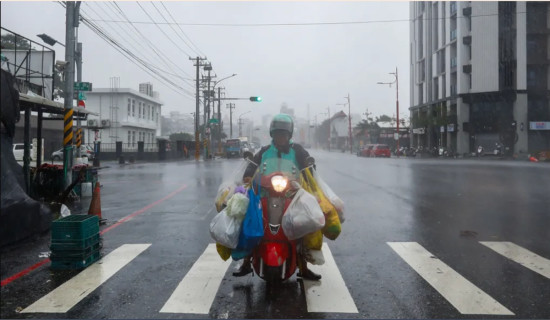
[(105, 123), (92, 123)]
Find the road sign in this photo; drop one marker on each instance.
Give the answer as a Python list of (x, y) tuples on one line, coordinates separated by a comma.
[(213, 121), (83, 86)]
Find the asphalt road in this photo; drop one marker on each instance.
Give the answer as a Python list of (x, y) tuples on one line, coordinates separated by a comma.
[(422, 239)]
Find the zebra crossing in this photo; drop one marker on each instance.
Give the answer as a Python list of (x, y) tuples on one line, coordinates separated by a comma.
[(197, 291)]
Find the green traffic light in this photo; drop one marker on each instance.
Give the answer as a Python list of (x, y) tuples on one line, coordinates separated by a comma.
[(256, 99)]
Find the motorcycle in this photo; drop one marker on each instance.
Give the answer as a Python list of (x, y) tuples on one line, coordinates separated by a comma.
[(275, 258)]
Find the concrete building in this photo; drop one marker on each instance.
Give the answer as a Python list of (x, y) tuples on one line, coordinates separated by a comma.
[(124, 115), (480, 75), (146, 88)]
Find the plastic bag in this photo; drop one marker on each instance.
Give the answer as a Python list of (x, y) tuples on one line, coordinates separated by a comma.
[(230, 183), (315, 257), (302, 216), (223, 251), (313, 240), (331, 196), (225, 229), (332, 227), (237, 206), (252, 230)]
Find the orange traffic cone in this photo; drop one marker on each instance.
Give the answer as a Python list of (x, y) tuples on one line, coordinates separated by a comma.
[(533, 159), (95, 205)]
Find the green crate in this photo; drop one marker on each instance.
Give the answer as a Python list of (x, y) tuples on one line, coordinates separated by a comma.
[(80, 263), (79, 253), (61, 245), (75, 227)]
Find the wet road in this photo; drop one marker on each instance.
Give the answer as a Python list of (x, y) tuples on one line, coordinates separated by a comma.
[(423, 239)]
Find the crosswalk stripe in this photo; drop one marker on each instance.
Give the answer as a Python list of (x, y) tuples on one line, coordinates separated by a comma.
[(461, 293), (520, 255), (67, 295), (196, 292), (330, 294)]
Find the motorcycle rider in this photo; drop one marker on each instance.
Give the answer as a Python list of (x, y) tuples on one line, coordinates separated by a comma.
[(280, 130)]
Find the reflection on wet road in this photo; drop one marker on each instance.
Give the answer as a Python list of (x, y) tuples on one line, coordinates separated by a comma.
[(422, 239)]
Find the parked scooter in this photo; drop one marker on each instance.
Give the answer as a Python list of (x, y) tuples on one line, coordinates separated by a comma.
[(275, 258), (479, 152)]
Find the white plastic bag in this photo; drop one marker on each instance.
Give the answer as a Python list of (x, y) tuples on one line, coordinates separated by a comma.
[(237, 206), (303, 216), (331, 196), (225, 230), (229, 184), (315, 257)]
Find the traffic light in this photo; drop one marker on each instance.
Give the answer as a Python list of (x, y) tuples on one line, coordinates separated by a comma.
[(256, 99)]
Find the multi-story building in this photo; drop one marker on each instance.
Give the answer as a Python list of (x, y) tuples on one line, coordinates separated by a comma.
[(124, 115), (480, 75)]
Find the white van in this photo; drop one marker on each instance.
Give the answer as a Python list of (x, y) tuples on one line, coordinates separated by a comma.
[(19, 150)]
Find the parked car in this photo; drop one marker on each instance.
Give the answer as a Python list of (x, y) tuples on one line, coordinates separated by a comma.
[(85, 151), (381, 150), (366, 151), (19, 150)]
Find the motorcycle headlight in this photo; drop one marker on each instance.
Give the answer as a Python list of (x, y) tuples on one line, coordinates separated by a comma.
[(279, 183)]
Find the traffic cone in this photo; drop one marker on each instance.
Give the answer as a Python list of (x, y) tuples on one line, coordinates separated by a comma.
[(95, 205), (533, 159)]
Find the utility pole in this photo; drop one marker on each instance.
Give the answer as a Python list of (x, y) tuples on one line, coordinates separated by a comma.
[(219, 121), (231, 106), (328, 112), (197, 111), (78, 79), (397, 106), (71, 23), (349, 118)]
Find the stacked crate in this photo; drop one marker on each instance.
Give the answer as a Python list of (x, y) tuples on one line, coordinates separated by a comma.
[(75, 242)]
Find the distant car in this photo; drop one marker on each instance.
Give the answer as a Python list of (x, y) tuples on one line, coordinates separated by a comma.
[(19, 150), (381, 150), (85, 151), (366, 151)]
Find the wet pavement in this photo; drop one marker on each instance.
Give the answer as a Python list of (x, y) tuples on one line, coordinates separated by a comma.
[(451, 209)]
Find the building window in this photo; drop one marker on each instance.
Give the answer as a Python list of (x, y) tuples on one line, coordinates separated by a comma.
[(133, 108), (133, 138), (129, 107), (129, 137), (139, 110)]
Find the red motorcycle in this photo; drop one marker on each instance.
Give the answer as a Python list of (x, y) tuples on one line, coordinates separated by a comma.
[(274, 259)]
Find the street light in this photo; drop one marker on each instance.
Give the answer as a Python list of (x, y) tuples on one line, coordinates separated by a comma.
[(396, 102), (48, 40)]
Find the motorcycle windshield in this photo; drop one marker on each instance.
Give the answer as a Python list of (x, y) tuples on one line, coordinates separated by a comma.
[(283, 167)]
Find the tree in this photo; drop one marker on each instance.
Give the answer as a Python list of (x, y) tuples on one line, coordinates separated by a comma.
[(383, 118), (182, 136), (12, 41)]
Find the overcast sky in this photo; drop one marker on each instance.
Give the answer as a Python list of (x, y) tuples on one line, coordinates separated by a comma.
[(300, 65)]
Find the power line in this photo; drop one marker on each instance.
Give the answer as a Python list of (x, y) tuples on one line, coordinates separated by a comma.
[(164, 33), (146, 40), (134, 59), (199, 51), (173, 29), (299, 23)]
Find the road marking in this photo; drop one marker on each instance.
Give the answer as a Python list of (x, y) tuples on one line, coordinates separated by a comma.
[(67, 295), (520, 255), (196, 292), (461, 293), (330, 294)]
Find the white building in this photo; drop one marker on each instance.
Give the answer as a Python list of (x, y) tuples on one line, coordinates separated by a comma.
[(124, 115), (480, 74)]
